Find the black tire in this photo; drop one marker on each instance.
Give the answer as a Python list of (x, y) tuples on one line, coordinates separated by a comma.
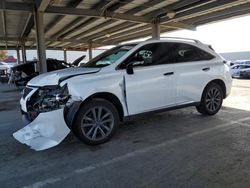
[(88, 118), (211, 101)]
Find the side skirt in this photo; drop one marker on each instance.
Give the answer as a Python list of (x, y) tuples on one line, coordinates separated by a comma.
[(144, 114)]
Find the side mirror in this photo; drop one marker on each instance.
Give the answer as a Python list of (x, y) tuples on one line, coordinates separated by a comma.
[(130, 69)]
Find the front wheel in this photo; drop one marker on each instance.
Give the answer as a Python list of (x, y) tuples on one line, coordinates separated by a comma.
[(96, 122), (211, 100)]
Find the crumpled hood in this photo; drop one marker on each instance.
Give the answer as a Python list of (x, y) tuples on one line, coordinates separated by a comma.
[(54, 77)]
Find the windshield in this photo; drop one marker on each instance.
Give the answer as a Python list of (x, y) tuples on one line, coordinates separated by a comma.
[(109, 57)]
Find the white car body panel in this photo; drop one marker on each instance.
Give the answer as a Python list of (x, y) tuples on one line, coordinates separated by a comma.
[(40, 135), (191, 82), (102, 81), (23, 101), (145, 90), (52, 78), (156, 90)]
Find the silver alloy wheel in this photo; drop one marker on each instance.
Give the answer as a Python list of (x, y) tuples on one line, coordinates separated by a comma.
[(97, 123), (213, 99)]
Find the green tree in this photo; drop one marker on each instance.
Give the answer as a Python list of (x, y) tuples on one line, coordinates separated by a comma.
[(3, 55)]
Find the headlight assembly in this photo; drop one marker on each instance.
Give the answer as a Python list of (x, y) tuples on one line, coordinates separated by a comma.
[(48, 98), (53, 98)]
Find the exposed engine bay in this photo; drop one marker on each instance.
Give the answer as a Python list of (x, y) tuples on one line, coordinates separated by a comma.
[(47, 99)]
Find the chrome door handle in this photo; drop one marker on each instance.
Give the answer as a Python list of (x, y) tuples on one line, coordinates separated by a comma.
[(168, 73), (206, 69)]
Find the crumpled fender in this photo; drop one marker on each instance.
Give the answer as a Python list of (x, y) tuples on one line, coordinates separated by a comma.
[(46, 131)]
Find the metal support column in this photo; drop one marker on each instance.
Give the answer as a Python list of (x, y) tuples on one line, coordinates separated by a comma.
[(90, 51), (41, 50), (65, 55), (23, 52), (18, 56), (156, 30)]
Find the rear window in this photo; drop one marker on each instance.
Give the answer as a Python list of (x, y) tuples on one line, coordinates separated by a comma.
[(182, 52)]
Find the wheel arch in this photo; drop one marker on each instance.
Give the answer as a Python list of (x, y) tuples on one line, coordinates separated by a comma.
[(220, 83), (71, 112), (109, 97)]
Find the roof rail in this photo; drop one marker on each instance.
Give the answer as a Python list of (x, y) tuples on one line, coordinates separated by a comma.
[(179, 38)]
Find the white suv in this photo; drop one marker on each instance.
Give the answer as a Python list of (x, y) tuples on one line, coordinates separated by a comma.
[(123, 82)]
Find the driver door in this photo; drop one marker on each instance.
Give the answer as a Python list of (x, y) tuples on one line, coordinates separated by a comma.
[(151, 86)]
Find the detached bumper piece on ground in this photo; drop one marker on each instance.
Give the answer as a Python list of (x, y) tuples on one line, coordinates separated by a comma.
[(46, 131)]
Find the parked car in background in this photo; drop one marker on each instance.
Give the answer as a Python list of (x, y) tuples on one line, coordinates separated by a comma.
[(22, 73), (236, 69), (124, 82), (240, 62), (245, 73), (6, 67)]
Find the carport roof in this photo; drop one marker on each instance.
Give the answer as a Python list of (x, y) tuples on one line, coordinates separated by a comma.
[(73, 24)]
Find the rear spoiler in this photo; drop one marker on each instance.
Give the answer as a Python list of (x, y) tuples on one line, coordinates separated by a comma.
[(210, 46)]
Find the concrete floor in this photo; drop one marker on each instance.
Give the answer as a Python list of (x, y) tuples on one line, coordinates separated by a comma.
[(174, 149)]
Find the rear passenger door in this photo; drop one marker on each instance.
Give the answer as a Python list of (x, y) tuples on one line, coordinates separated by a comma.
[(193, 70)]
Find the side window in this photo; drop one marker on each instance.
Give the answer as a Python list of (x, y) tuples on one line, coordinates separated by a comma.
[(181, 52), (242, 66), (235, 67), (143, 57), (150, 54)]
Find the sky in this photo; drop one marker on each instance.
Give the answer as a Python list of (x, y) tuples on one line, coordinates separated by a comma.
[(225, 36)]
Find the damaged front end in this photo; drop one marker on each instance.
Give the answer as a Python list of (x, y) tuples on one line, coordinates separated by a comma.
[(43, 110)]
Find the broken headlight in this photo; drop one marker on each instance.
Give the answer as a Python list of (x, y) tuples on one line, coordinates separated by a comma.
[(52, 98), (46, 99)]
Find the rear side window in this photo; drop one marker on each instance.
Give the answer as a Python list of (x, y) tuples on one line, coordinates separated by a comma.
[(181, 52), (165, 53)]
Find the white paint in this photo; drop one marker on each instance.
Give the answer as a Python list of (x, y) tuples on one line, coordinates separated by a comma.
[(148, 89), (46, 131), (52, 78), (24, 100)]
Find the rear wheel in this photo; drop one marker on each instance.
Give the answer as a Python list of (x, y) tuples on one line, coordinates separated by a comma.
[(211, 101), (96, 122)]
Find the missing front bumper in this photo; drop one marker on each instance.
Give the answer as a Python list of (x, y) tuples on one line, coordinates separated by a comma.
[(46, 131)]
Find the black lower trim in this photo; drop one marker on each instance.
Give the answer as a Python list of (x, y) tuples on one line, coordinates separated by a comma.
[(25, 118), (70, 113), (136, 116)]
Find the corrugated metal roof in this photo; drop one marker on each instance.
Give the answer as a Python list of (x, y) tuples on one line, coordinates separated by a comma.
[(73, 24)]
